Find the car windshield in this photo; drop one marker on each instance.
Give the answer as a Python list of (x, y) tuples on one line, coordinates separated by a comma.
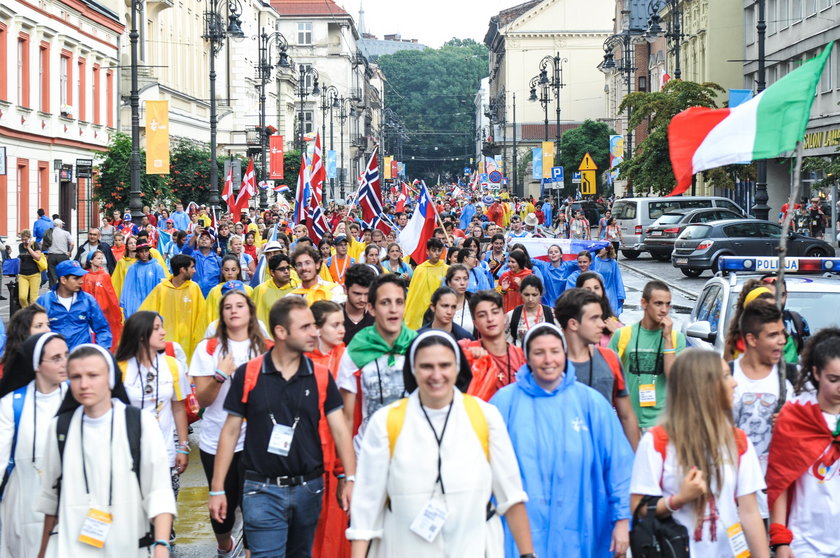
[(810, 305), (669, 219), (694, 232), (624, 210)]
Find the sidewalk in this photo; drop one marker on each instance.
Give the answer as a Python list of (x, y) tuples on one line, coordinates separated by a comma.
[(685, 292), (5, 304)]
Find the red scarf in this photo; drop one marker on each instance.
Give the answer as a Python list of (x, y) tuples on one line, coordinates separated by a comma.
[(801, 441)]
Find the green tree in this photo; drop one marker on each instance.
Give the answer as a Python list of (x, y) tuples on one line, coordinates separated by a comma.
[(431, 92), (650, 169), (590, 137), (190, 171), (113, 182)]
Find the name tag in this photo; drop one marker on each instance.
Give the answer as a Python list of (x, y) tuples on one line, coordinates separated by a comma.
[(737, 541), (95, 528), (281, 440), (647, 395), (429, 522)]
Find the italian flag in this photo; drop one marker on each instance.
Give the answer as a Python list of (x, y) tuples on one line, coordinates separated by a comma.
[(766, 126)]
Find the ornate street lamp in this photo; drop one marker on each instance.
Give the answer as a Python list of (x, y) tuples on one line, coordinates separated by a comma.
[(346, 110), (303, 72), (556, 83), (264, 68), (674, 32), (625, 66)]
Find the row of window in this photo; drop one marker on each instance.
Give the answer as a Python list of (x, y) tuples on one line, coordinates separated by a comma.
[(77, 81), (781, 14)]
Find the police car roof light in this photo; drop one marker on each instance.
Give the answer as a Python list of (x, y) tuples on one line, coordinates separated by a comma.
[(767, 264)]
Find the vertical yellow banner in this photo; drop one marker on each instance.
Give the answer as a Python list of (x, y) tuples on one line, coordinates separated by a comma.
[(547, 158), (157, 137), (387, 168)]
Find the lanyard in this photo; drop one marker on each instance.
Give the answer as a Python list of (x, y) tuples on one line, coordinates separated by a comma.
[(438, 439), (537, 320), (111, 448), (657, 363), (142, 387), (35, 416), (300, 396)]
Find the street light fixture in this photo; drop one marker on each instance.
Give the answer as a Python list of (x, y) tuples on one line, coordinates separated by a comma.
[(303, 72), (543, 99), (346, 110), (216, 32), (329, 100), (556, 83), (264, 69), (673, 33), (625, 66)]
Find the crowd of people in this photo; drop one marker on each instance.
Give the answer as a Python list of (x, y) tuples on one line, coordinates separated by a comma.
[(349, 400)]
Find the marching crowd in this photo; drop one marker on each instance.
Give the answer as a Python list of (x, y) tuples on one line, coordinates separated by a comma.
[(352, 400)]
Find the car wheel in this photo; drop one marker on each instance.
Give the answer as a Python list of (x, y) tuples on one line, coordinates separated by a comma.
[(662, 256), (691, 271), (815, 253), (630, 254)]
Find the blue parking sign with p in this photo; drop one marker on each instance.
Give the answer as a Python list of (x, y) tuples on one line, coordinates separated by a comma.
[(557, 174)]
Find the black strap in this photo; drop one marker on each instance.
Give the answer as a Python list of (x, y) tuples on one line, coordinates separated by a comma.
[(514, 321), (783, 372), (548, 315)]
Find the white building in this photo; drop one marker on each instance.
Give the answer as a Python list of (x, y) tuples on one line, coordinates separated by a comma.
[(58, 104)]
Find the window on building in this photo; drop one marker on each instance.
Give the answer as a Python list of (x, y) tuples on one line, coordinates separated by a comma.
[(771, 17), (66, 70), (304, 33), (97, 95), (23, 70), (81, 90), (44, 77), (824, 4), (810, 7), (3, 64), (825, 78), (109, 98), (795, 11), (308, 121), (784, 14), (749, 25), (43, 184), (309, 77), (22, 192)]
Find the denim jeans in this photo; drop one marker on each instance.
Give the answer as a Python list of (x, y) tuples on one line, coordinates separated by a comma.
[(280, 521)]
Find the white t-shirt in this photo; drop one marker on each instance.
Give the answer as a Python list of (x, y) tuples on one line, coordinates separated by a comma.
[(648, 470), (755, 403), (214, 325), (67, 302), (215, 415), (815, 507), (163, 393)]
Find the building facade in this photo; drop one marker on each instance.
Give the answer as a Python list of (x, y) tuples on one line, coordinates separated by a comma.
[(58, 104)]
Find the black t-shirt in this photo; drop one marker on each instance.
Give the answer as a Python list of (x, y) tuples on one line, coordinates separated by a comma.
[(351, 328), (27, 263), (297, 398)]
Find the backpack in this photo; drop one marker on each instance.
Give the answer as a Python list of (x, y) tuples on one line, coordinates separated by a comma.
[(516, 317), (254, 367), (791, 372), (626, 332), (18, 399), (47, 239), (134, 434)]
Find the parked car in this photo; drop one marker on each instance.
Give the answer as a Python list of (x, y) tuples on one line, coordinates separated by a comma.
[(661, 235), (634, 215), (810, 291), (699, 246)]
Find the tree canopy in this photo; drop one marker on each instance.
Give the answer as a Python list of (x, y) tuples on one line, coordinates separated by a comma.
[(432, 92), (590, 137)]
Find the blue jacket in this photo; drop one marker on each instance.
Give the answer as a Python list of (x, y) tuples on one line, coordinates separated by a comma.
[(613, 283), (548, 212), (554, 279), (575, 464), (466, 216), (76, 324), (41, 226), (181, 220), (208, 268), (480, 279), (140, 279)]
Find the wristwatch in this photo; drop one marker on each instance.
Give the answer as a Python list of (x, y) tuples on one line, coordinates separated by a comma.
[(529, 555)]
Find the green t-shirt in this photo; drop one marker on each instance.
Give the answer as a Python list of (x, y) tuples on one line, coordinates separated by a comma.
[(644, 366)]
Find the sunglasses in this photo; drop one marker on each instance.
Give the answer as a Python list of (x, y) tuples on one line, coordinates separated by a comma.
[(150, 377)]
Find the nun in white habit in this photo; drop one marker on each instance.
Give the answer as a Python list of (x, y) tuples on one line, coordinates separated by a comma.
[(32, 389), (429, 465), (99, 507)]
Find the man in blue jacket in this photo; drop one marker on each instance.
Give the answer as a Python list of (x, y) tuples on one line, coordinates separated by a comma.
[(73, 312), (41, 225), (208, 266)]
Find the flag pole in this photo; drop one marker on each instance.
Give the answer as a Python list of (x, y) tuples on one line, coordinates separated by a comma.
[(437, 217), (794, 195), (356, 197)]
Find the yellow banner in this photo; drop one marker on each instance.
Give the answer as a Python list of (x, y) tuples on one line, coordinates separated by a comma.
[(387, 168), (157, 137), (547, 158)]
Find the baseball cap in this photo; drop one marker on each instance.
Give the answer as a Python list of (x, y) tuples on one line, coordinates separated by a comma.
[(339, 238), (69, 267), (58, 222), (145, 245), (233, 286)]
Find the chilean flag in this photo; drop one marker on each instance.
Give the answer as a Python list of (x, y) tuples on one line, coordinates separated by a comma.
[(420, 228)]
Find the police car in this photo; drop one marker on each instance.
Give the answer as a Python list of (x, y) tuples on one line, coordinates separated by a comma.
[(813, 286)]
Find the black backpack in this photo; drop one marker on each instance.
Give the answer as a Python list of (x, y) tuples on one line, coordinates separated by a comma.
[(516, 316), (134, 434), (657, 537), (47, 239)]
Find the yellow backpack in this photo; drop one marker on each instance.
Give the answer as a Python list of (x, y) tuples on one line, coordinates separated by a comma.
[(396, 418), (624, 335), (173, 369)]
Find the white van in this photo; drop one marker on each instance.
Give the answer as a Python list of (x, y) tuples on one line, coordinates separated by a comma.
[(634, 215)]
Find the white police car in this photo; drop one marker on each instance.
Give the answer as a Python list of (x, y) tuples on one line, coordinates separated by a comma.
[(813, 286)]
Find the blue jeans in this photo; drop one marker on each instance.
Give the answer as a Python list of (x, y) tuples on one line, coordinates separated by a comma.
[(280, 521)]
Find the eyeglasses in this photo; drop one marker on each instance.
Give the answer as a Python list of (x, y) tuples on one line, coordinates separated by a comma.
[(304, 263), (285, 268)]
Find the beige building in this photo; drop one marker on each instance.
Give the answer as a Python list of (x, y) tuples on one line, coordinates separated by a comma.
[(518, 39)]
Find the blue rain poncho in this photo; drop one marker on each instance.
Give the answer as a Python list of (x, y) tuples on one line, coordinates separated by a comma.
[(613, 283), (575, 463), (140, 279)]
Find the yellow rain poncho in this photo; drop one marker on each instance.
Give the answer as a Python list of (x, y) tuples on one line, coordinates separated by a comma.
[(426, 280), (182, 309), (211, 303), (266, 294)]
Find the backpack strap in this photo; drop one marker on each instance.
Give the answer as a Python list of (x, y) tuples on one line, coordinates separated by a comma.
[(123, 364), (134, 434), (741, 443), (515, 317), (210, 346), (170, 349), (322, 378), (479, 423), (800, 329), (252, 374), (615, 366), (548, 314), (175, 370), (18, 399), (624, 335), (395, 421)]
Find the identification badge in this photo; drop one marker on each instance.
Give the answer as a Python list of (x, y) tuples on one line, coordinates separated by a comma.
[(281, 440), (95, 528), (737, 541), (429, 522), (647, 395)]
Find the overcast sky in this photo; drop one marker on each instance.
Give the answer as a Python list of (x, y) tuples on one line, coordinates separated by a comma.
[(431, 22)]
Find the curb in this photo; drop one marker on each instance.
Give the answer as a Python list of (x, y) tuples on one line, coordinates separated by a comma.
[(688, 294)]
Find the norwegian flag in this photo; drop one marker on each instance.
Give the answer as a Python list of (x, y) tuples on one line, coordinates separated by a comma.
[(249, 186), (402, 199), (227, 192), (369, 196)]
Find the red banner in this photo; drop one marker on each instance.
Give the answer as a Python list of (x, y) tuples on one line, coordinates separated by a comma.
[(395, 169), (275, 159)]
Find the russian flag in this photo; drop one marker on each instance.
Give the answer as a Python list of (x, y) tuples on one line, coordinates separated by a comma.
[(420, 228), (538, 247), (282, 189)]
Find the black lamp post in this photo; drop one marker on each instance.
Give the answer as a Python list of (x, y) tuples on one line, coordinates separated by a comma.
[(556, 83), (135, 204), (329, 99), (674, 32), (625, 66), (216, 32), (544, 100), (264, 69), (346, 110), (761, 210), (303, 72)]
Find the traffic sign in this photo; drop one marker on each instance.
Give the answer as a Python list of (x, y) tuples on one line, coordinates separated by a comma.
[(588, 164), (482, 177), (587, 182), (557, 174), (84, 168), (495, 177), (576, 178), (467, 170)]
